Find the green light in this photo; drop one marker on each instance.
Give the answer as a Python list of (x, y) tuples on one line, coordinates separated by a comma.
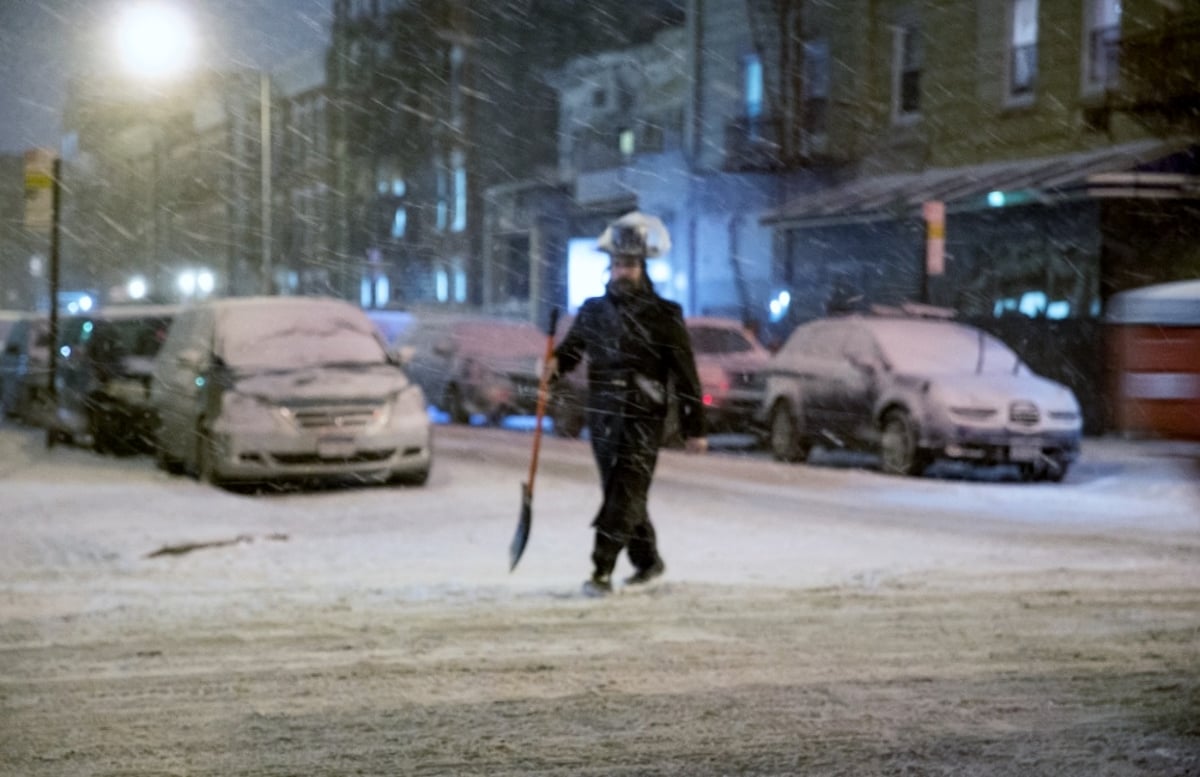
[(996, 199)]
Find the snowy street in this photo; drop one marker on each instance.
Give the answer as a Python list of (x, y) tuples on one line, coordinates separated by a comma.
[(822, 619)]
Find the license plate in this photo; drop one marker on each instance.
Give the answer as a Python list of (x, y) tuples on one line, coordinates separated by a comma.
[(1025, 451), (335, 447)]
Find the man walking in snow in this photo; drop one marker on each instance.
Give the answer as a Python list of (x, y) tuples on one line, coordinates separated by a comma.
[(636, 344)]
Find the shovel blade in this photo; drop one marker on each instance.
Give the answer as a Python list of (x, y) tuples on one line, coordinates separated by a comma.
[(521, 536)]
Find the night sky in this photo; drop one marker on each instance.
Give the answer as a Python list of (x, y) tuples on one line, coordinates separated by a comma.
[(43, 42)]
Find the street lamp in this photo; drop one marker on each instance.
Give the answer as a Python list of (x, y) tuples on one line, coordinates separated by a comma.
[(155, 41)]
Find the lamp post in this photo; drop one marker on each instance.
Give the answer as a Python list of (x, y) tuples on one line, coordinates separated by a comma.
[(155, 44), (264, 110)]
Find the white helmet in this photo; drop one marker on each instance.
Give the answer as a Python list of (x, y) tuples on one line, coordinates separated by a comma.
[(635, 234)]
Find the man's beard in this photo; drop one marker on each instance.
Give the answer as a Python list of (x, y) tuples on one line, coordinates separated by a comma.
[(624, 287)]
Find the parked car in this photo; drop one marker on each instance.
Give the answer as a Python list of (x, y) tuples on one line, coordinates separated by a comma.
[(24, 366), (471, 365), (286, 388), (916, 390), (102, 376), (732, 367)]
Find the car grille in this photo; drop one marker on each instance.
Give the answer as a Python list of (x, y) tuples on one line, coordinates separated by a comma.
[(335, 417), (1023, 413)]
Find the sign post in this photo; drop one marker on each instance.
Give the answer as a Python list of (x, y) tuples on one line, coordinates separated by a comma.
[(43, 211), (934, 212)]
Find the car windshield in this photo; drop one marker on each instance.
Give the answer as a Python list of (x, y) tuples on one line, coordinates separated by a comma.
[(935, 347), (297, 337), (718, 340)]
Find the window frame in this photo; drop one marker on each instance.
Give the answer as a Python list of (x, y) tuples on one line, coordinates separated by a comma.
[(903, 66), (1089, 54), (1026, 96)]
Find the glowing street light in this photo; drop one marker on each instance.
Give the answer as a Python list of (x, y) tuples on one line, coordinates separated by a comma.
[(155, 40)]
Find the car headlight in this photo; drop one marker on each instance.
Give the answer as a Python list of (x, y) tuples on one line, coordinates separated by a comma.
[(239, 410)]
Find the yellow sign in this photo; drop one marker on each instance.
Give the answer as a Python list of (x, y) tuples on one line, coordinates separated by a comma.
[(39, 188), (934, 212)]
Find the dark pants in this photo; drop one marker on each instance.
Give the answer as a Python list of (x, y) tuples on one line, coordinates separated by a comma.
[(626, 451)]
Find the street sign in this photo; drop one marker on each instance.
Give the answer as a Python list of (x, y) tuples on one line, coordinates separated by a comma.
[(39, 189), (934, 212)]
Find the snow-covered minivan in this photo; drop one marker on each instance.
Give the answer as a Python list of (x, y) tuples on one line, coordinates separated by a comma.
[(279, 388)]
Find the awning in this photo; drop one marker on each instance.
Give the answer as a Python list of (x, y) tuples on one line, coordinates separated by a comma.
[(1112, 171)]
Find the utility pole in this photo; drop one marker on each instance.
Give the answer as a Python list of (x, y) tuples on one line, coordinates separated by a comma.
[(52, 374), (264, 116)]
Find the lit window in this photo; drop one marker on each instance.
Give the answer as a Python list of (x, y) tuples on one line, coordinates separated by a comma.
[(460, 285), (752, 85), (400, 222), (1022, 54), (442, 285), (460, 193), (626, 142)]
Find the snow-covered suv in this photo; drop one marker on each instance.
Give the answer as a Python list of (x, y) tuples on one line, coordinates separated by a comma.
[(916, 390)]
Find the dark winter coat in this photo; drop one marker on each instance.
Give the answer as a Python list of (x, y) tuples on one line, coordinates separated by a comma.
[(636, 346)]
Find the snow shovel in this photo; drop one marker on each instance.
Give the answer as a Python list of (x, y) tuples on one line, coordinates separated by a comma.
[(526, 520)]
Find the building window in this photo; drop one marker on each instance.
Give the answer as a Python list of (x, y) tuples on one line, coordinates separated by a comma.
[(752, 86), (459, 223), (443, 204), (399, 222), (908, 57), (1022, 49), (816, 91), (627, 142), (599, 98), (1101, 44)]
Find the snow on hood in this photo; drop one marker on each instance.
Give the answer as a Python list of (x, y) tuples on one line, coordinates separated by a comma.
[(368, 382), (998, 389)]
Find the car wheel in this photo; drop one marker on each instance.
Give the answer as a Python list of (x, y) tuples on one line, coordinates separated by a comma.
[(898, 449), (454, 407), (784, 435)]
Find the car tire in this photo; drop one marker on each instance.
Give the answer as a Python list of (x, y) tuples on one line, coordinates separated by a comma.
[(784, 435), (899, 453)]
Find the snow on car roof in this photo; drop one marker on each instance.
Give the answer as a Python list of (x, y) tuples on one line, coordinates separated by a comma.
[(1174, 304), (292, 332)]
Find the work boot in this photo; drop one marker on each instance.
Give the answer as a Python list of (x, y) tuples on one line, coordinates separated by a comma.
[(598, 585), (646, 575)]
